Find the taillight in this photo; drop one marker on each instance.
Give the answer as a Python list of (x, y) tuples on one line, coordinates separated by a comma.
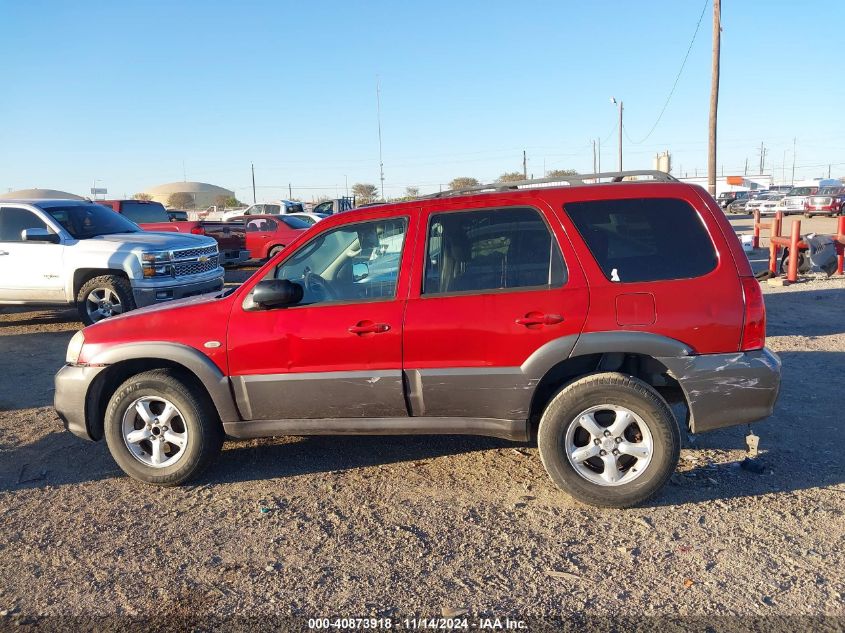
[(754, 322), (198, 230)]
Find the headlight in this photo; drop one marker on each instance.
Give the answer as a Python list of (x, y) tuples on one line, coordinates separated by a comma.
[(157, 264), (74, 348)]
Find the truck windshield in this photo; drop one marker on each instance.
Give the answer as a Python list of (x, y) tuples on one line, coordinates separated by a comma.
[(144, 212), (802, 191), (84, 221)]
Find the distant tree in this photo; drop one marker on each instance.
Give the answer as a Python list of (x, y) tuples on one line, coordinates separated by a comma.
[(412, 192), (180, 200), (462, 182), (142, 196), (510, 176), (557, 173), (224, 201), (365, 192)]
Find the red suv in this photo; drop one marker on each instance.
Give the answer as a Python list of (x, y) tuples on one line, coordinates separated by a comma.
[(574, 314)]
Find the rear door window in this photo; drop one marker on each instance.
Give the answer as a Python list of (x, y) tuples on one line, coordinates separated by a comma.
[(491, 249), (645, 239)]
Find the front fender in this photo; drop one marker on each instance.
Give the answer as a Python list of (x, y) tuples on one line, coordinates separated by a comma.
[(191, 359)]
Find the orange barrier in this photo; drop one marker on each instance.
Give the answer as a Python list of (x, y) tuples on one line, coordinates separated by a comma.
[(796, 244), (765, 225)]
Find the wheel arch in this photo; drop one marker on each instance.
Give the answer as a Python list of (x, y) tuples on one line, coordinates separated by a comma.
[(634, 353), (123, 361), (81, 276)]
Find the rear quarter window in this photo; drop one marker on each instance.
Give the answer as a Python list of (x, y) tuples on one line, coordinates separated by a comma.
[(645, 239)]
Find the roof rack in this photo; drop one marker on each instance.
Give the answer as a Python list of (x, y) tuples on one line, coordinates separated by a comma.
[(575, 179)]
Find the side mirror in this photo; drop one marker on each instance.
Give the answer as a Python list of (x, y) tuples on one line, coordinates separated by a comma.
[(39, 235), (360, 271), (276, 293)]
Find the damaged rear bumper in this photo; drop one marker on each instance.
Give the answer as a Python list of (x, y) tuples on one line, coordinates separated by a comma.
[(727, 389)]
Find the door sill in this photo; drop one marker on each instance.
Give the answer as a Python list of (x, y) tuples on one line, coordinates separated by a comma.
[(516, 430)]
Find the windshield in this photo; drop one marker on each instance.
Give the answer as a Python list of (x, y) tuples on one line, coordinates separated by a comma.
[(84, 221), (296, 223), (801, 191), (831, 191)]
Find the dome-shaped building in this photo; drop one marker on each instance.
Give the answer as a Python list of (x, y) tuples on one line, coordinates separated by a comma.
[(201, 193), (39, 194)]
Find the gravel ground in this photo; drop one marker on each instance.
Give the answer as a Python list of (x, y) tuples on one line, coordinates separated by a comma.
[(291, 528)]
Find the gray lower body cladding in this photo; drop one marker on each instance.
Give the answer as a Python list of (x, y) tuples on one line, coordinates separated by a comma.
[(727, 389)]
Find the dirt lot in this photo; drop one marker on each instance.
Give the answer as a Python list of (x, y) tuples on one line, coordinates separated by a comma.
[(395, 526)]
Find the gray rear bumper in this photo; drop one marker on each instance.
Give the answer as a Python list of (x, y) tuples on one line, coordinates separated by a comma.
[(233, 258), (727, 389), (72, 384)]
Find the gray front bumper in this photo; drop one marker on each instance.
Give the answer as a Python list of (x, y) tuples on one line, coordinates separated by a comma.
[(72, 385), (727, 389), (150, 295)]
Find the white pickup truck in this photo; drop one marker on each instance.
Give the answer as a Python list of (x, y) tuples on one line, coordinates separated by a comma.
[(57, 252)]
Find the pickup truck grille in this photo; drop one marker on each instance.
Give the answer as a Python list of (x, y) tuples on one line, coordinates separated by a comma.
[(193, 261), (194, 268), (194, 253)]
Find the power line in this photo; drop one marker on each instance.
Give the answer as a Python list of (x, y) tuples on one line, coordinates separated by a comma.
[(677, 78)]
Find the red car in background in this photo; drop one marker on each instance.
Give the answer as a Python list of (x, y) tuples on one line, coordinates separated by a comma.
[(267, 235)]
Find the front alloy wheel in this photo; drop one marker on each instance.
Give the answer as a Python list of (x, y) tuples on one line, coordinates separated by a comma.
[(155, 432)]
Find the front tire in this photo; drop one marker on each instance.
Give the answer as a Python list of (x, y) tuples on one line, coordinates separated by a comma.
[(609, 440), (104, 296), (159, 430)]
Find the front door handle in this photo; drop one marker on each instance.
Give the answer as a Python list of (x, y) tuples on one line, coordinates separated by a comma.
[(538, 318), (368, 327)]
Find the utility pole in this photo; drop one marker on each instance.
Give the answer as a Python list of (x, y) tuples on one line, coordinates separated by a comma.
[(594, 157), (794, 139), (599, 147), (762, 153), (621, 107), (524, 165), (290, 192), (253, 182), (380, 161), (746, 166), (714, 97)]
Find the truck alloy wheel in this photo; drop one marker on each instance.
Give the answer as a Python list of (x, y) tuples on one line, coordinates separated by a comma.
[(103, 297)]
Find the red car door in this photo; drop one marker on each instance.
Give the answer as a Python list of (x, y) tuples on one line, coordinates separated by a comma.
[(338, 352), (496, 287), (259, 231)]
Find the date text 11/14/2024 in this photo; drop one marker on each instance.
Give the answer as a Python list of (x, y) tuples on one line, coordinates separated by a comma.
[(418, 624)]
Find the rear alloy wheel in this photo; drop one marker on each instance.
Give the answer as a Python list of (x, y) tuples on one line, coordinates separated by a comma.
[(275, 251), (103, 297), (160, 429), (609, 440)]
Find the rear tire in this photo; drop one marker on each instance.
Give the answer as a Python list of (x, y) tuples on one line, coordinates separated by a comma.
[(160, 431), (104, 296), (275, 251), (598, 467)]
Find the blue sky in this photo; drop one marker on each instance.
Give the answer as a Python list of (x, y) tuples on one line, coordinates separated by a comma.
[(126, 92)]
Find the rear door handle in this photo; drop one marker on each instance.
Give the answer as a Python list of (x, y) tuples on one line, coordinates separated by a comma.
[(538, 318), (368, 327)]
